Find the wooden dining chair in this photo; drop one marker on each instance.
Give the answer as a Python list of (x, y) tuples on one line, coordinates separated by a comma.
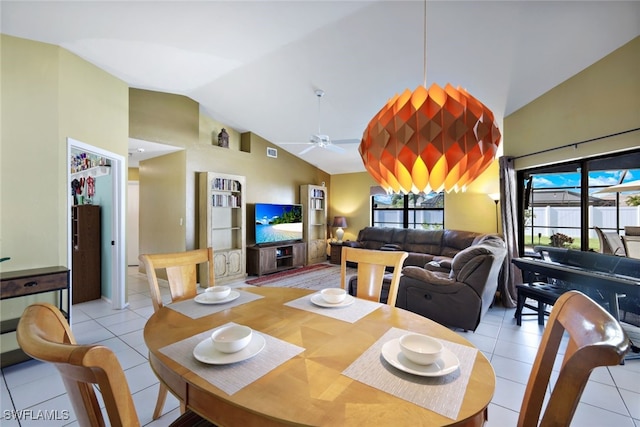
[(181, 268), (372, 265), (595, 339), (44, 334)]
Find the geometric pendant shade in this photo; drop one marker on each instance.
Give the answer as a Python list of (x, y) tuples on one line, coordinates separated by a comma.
[(430, 140)]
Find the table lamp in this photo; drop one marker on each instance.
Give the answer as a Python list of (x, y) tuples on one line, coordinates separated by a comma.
[(340, 222)]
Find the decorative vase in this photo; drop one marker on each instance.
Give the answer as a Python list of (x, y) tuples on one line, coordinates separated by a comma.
[(223, 138)]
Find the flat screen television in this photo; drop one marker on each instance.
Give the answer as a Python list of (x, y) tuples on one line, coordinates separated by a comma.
[(277, 223)]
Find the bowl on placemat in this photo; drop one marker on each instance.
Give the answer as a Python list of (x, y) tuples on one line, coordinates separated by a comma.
[(232, 338), (218, 292), (421, 349), (333, 295)]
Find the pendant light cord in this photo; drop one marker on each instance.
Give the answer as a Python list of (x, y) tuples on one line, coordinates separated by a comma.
[(425, 44)]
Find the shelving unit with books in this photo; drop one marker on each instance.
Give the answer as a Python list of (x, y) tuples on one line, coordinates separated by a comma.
[(222, 224), (314, 205)]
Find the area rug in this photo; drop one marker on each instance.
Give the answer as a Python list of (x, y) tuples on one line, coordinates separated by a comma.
[(316, 276)]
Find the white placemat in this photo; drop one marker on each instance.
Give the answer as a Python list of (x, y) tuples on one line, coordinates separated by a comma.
[(196, 310), (233, 377), (443, 394), (351, 313)]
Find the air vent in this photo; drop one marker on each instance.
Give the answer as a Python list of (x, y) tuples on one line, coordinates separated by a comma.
[(272, 152)]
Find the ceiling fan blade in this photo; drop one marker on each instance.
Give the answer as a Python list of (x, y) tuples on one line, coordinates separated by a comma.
[(345, 141), (306, 150), (334, 148)]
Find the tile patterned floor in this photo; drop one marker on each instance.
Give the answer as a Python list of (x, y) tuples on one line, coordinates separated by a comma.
[(612, 396)]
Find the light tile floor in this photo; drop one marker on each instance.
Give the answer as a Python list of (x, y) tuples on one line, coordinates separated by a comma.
[(612, 396)]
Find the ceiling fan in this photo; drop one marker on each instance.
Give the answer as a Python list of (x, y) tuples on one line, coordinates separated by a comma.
[(321, 140)]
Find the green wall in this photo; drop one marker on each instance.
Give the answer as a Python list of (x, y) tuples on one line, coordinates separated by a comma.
[(48, 95), (601, 100), (177, 120)]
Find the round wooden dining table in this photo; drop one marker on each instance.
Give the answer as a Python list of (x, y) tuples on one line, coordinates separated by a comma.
[(309, 388)]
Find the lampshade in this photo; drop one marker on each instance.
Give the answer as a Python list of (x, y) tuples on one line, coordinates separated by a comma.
[(430, 140), (339, 221)]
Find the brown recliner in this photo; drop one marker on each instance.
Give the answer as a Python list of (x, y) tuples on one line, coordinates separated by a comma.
[(461, 297)]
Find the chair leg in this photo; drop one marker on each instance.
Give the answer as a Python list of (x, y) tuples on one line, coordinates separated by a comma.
[(519, 306), (542, 307), (162, 397)]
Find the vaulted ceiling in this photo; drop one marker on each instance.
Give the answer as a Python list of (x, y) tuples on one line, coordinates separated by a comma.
[(255, 65)]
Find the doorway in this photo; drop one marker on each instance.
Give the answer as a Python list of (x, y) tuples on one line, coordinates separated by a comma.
[(133, 230), (113, 241)]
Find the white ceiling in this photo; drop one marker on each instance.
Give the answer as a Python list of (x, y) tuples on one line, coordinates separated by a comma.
[(254, 65)]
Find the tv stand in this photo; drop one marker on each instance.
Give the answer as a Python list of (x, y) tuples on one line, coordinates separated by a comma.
[(271, 259)]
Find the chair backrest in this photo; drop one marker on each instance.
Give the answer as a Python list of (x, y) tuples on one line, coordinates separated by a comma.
[(44, 334), (181, 270), (372, 266), (595, 339), (610, 242), (631, 230), (632, 246)]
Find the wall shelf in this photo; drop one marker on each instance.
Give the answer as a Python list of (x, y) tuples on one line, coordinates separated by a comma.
[(94, 172)]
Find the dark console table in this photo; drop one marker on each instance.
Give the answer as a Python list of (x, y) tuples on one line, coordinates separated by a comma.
[(20, 283)]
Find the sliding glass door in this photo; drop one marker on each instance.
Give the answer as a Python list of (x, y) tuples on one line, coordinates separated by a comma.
[(564, 203)]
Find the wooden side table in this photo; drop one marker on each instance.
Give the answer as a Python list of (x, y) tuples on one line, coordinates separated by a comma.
[(21, 283), (336, 253)]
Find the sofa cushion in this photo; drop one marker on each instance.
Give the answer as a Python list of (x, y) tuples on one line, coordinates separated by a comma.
[(375, 237), (417, 258), (398, 237), (390, 247), (433, 277), (465, 256), (453, 241), (441, 266), (423, 241)]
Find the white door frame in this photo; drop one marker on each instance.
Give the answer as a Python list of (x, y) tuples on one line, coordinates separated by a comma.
[(118, 171)]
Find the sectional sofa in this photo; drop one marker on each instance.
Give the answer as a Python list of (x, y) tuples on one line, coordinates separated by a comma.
[(450, 276)]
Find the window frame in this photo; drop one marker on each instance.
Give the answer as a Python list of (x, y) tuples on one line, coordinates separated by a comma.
[(622, 161), (407, 212)]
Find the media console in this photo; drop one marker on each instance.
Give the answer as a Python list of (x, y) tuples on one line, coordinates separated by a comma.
[(271, 259)]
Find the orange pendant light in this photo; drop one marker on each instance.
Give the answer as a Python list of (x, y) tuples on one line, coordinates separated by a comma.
[(430, 140)]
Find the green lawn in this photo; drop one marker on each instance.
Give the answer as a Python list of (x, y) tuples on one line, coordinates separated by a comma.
[(546, 241)]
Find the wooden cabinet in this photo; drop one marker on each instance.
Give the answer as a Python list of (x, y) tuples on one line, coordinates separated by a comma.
[(271, 259), (20, 283), (222, 225), (314, 205), (336, 253), (85, 269)]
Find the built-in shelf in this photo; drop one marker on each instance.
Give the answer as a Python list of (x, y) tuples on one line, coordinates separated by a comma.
[(314, 201), (94, 172)]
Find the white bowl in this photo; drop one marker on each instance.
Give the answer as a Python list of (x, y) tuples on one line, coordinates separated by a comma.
[(421, 349), (218, 292), (333, 295), (231, 339)]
